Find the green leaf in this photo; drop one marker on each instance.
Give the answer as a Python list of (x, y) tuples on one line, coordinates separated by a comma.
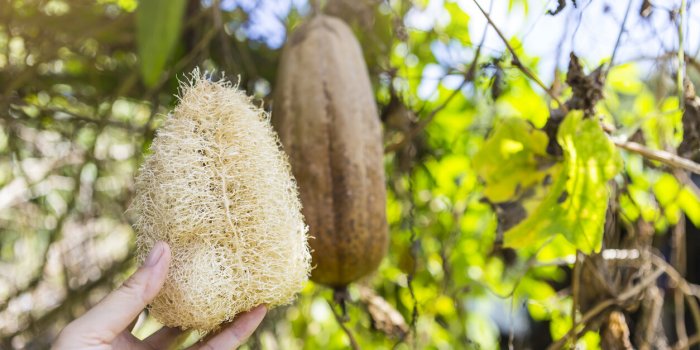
[(690, 203), (158, 25), (458, 28), (666, 189), (624, 79), (520, 100), (510, 159), (576, 204)]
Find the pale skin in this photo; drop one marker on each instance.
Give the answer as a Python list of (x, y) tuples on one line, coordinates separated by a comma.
[(106, 325)]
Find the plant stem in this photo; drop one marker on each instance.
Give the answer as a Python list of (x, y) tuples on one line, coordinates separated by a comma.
[(667, 158), (681, 54), (517, 63)]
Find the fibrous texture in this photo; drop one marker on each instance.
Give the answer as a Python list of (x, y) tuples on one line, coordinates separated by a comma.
[(219, 190), (328, 122)]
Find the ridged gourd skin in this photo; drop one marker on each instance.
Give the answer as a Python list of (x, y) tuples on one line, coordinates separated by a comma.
[(219, 190), (325, 113)]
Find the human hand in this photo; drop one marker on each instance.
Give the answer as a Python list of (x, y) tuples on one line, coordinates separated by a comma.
[(105, 326)]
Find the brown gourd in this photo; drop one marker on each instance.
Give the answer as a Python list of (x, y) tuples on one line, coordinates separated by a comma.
[(327, 120)]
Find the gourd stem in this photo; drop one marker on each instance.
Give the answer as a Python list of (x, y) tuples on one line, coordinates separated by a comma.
[(340, 296)]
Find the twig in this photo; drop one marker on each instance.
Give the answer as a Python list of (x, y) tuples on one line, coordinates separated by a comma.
[(517, 63), (75, 296), (681, 54), (414, 254), (384, 316), (341, 323), (468, 76), (683, 177), (67, 116), (54, 234), (667, 158), (425, 121), (246, 59), (678, 262), (653, 317), (605, 304), (225, 45), (575, 285), (693, 62), (183, 62), (694, 340), (619, 37), (683, 285)]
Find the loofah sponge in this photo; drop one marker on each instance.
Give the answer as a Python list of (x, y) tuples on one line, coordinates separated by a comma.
[(219, 190)]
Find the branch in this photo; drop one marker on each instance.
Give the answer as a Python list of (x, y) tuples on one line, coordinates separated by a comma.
[(75, 296), (681, 53), (667, 158), (518, 64), (678, 263), (202, 44), (619, 37), (605, 304), (413, 252), (225, 45), (575, 288), (425, 121), (69, 116), (468, 76), (683, 285), (683, 177), (691, 341), (341, 323), (385, 318), (53, 235)]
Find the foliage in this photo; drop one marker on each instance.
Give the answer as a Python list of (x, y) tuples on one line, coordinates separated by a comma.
[(575, 200), (489, 228), (158, 28)]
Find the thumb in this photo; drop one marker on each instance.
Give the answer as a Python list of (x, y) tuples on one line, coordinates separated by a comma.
[(116, 311)]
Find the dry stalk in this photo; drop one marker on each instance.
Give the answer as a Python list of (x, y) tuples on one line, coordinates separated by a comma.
[(517, 63), (341, 323), (604, 305)]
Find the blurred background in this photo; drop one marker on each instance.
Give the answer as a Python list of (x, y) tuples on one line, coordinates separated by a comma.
[(85, 84)]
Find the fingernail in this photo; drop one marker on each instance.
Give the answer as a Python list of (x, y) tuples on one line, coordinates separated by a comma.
[(155, 254), (258, 308), (262, 309)]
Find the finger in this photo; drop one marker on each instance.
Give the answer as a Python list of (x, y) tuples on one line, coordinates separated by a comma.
[(235, 334), (163, 337), (114, 313)]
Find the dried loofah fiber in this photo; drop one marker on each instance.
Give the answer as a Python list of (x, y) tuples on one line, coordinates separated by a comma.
[(218, 189)]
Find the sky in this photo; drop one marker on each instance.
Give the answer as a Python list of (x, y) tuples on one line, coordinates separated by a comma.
[(266, 17), (591, 29)]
